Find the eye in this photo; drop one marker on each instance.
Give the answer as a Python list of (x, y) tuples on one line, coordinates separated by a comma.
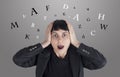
[(64, 35), (55, 35)]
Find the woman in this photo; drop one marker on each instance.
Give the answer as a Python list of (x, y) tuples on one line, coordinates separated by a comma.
[(61, 54)]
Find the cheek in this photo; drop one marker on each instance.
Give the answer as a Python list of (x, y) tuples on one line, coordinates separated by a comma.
[(66, 42), (67, 39), (53, 43)]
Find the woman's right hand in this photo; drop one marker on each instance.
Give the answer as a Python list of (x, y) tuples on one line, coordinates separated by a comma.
[(47, 40)]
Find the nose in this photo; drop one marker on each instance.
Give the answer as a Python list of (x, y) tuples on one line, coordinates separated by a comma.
[(60, 39)]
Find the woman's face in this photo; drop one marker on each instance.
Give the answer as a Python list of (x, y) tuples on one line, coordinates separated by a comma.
[(60, 40)]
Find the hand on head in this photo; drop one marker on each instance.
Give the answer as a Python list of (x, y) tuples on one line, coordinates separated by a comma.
[(73, 37), (47, 40)]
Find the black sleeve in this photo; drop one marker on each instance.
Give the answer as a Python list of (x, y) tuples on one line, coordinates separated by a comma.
[(91, 58), (27, 56)]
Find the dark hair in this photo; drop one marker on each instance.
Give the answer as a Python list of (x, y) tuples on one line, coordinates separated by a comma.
[(59, 24)]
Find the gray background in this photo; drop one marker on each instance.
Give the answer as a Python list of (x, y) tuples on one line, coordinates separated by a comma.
[(106, 41)]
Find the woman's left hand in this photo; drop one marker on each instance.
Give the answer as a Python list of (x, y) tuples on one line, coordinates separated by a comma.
[(73, 37)]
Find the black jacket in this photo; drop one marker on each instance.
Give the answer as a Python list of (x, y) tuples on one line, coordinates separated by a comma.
[(81, 57)]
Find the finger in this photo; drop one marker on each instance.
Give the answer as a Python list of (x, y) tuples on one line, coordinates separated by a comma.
[(68, 24), (50, 25), (48, 31), (70, 27)]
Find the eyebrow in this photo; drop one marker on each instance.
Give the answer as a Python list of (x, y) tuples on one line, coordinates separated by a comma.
[(63, 32)]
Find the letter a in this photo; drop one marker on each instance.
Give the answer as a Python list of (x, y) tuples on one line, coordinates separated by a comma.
[(33, 11), (76, 17), (27, 36)]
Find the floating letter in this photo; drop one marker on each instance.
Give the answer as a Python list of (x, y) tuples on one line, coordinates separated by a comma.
[(13, 25), (33, 11), (47, 7), (65, 6), (101, 16), (103, 26), (27, 36), (93, 33), (76, 17)]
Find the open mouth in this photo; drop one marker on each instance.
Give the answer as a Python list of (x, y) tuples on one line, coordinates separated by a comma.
[(60, 46)]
